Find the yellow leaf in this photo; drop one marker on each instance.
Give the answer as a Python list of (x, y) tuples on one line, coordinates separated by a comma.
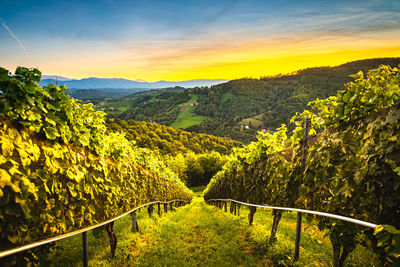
[(7, 148), (14, 170), (15, 188), (2, 159), (35, 152), (26, 161), (5, 178)]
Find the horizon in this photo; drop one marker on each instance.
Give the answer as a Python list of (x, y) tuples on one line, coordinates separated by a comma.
[(271, 76), (172, 41)]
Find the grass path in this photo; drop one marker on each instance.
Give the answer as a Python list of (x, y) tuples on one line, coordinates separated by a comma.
[(196, 235)]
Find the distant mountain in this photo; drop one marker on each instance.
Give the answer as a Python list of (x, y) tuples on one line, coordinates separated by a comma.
[(85, 94), (106, 83), (56, 77)]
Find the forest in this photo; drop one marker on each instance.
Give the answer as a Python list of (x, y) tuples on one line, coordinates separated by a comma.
[(239, 108)]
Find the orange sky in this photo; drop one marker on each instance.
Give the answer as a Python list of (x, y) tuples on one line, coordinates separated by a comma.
[(201, 40), (225, 61)]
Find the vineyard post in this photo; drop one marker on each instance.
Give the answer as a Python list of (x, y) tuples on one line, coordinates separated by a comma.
[(85, 249), (304, 148), (251, 214), (112, 236), (135, 227), (159, 208), (225, 207)]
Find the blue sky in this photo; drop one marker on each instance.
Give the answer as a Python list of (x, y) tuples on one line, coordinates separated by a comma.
[(192, 39)]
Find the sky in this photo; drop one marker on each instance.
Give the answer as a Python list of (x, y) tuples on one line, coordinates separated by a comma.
[(180, 40)]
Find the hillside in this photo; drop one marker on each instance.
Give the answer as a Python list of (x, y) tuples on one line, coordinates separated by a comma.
[(168, 140), (239, 108)]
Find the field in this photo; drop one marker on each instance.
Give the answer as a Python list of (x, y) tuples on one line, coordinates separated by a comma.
[(186, 116), (118, 105), (255, 122)]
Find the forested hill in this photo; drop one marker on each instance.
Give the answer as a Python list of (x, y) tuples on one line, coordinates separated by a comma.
[(268, 102), (239, 108), (168, 140)]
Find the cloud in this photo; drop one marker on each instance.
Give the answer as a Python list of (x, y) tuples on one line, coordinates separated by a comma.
[(12, 34)]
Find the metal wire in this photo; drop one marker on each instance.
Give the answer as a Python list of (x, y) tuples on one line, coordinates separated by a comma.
[(334, 216)]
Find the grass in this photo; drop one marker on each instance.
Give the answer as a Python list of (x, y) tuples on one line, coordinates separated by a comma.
[(186, 116), (315, 248), (198, 190), (256, 121), (119, 105), (202, 235)]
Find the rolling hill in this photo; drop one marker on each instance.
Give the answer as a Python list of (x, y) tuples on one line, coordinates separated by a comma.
[(240, 108)]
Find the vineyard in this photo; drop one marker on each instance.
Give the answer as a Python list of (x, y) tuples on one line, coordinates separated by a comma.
[(62, 170), (350, 166)]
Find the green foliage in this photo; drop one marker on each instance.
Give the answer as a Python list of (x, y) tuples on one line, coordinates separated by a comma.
[(351, 168), (60, 171), (168, 140), (196, 169), (274, 100), (161, 108), (388, 242), (49, 189), (49, 111)]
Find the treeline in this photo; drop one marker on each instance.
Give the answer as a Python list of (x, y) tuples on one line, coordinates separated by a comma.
[(196, 169), (352, 166), (168, 140)]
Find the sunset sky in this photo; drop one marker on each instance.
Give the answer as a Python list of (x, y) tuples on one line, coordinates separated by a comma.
[(180, 40)]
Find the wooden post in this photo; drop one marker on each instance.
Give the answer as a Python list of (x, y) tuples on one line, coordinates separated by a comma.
[(85, 249), (135, 227), (150, 210), (298, 235), (225, 207), (307, 123), (165, 207), (112, 236), (251, 214), (159, 208), (238, 210), (234, 210)]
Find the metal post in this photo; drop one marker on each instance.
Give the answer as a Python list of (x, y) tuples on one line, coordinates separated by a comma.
[(85, 249), (298, 236), (307, 123)]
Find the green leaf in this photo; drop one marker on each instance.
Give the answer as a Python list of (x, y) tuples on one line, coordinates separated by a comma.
[(51, 132)]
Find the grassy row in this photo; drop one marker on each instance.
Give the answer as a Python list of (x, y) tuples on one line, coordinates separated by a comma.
[(203, 235)]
